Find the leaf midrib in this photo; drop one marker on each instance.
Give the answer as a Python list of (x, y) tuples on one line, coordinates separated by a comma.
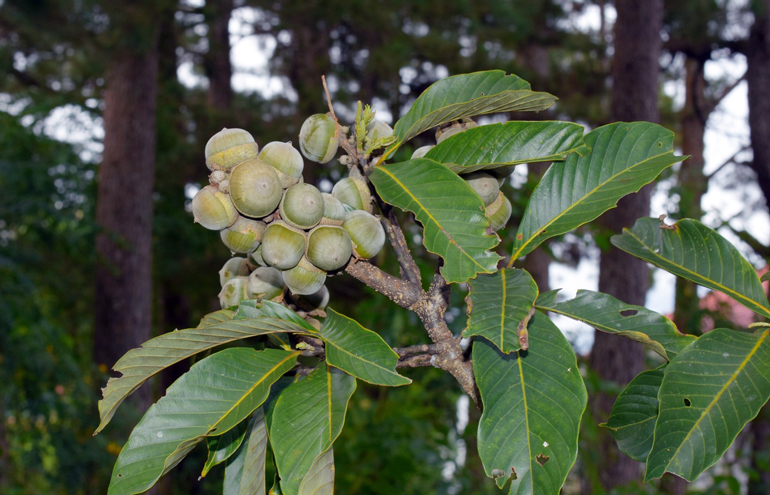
[(537, 232), (749, 303), (440, 227), (716, 398)]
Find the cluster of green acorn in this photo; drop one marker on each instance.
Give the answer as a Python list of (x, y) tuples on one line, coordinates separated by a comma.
[(486, 183), (262, 208)]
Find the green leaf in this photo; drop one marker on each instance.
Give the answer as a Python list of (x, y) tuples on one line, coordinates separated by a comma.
[(306, 419), (467, 95), (216, 317), (533, 403), (633, 416), (139, 365), (497, 304), (215, 395), (360, 352), (611, 315), (693, 251), (709, 392), (511, 143), (222, 447), (245, 473), (251, 308), (624, 157), (451, 212), (765, 277), (320, 479)]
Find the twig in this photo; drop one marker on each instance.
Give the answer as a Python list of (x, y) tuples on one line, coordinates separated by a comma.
[(416, 349), (714, 102), (727, 162), (405, 294), (430, 308), (338, 128), (416, 361), (409, 269)]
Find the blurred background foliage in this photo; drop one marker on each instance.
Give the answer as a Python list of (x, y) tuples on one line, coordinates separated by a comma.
[(56, 56)]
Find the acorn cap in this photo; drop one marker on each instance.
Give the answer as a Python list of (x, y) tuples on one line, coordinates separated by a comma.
[(499, 212), (255, 188), (229, 147), (302, 206), (265, 283), (233, 292), (213, 209), (304, 278), (353, 191), (318, 138), (234, 267), (365, 232), (286, 160), (282, 245), (329, 248), (485, 185), (244, 235)]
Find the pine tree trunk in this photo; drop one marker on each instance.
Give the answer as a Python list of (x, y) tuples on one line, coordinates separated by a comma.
[(758, 78), (217, 65), (692, 183), (124, 208), (634, 97)]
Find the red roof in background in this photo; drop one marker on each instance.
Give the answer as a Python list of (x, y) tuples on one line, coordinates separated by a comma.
[(726, 306)]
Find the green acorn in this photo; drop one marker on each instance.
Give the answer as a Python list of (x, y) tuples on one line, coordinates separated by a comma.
[(255, 257), (485, 185), (282, 245), (378, 129), (234, 267), (353, 191), (302, 206), (255, 188), (318, 138), (213, 209), (244, 235), (365, 232), (233, 292), (334, 211), (329, 248), (286, 160), (456, 128), (499, 212), (422, 151), (264, 283), (304, 278), (229, 147), (310, 302)]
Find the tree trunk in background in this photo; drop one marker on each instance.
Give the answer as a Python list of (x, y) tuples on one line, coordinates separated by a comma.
[(216, 62), (124, 207), (758, 78), (634, 97), (692, 183), (538, 262)]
